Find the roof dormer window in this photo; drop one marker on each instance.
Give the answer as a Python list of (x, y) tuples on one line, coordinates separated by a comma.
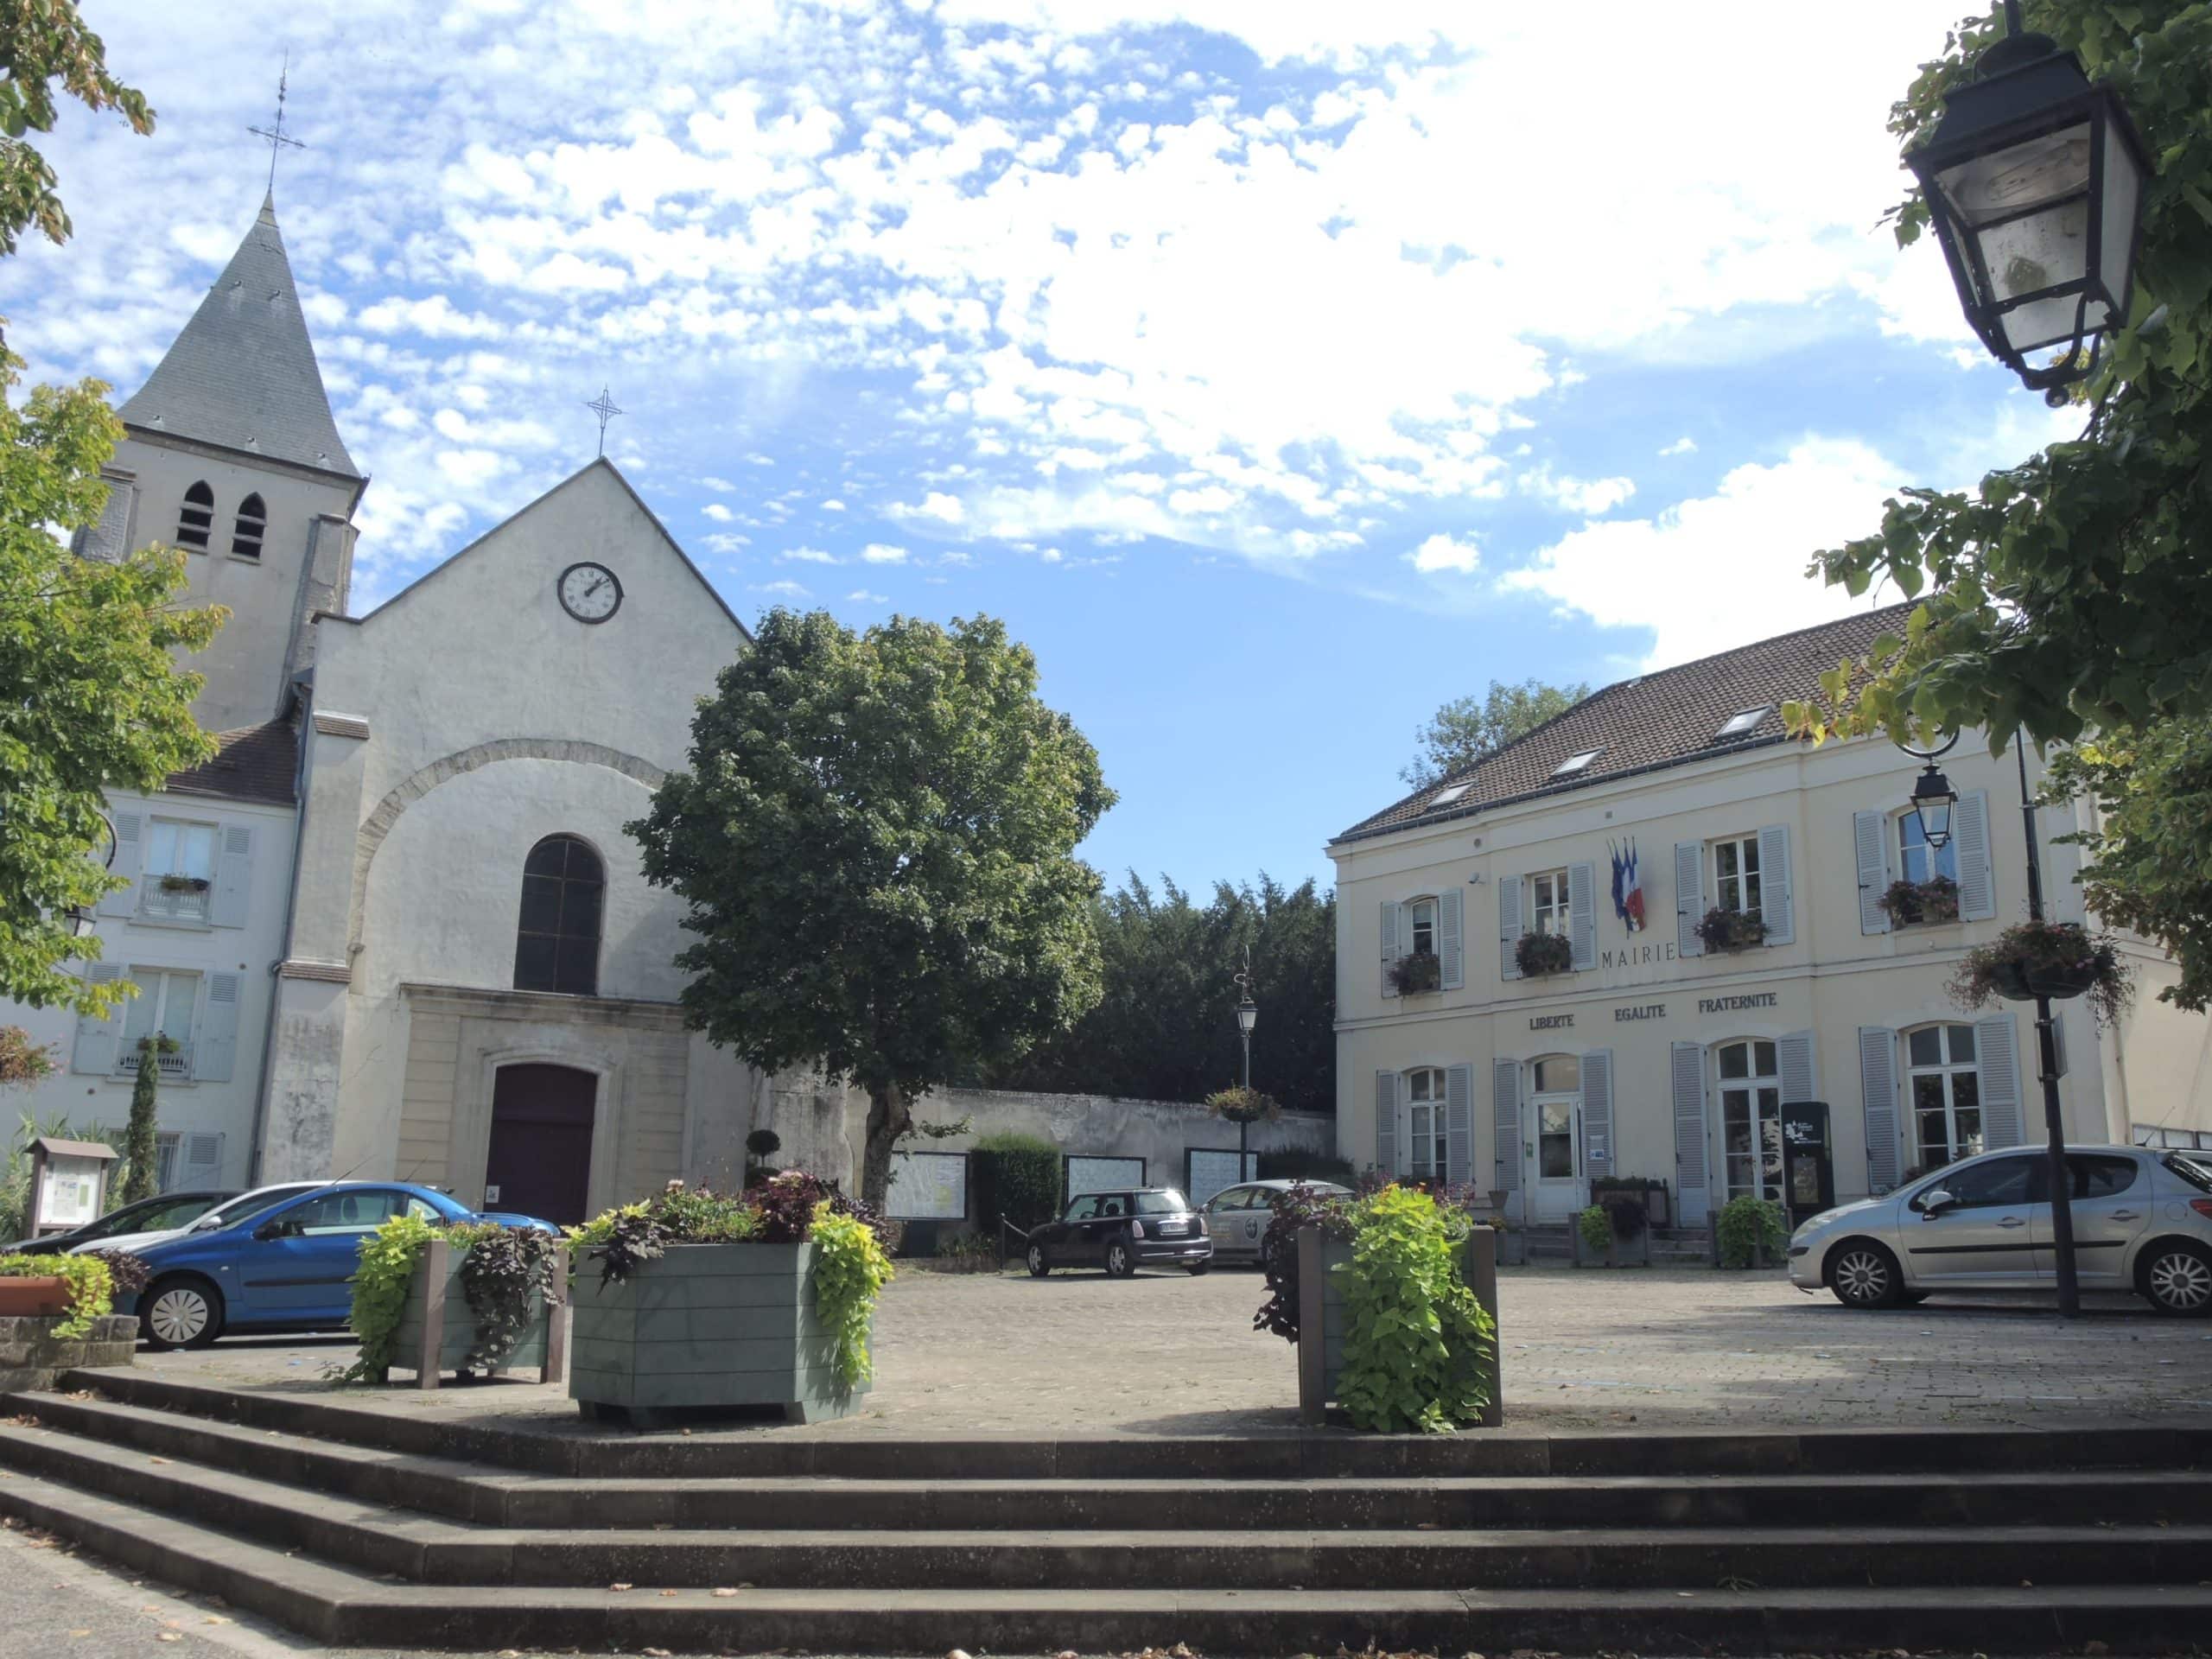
[(1742, 724), (1446, 797), (198, 517), (253, 520), (1575, 763)]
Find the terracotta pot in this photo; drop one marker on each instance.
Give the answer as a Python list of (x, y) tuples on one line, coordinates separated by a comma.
[(36, 1298)]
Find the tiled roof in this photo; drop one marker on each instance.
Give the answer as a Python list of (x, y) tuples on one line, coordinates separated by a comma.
[(1666, 719), (255, 763), (243, 373)]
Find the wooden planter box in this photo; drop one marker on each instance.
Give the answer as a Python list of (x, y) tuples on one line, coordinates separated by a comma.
[(1512, 1248), (1321, 1312), (711, 1325), (1626, 1252), (438, 1302)]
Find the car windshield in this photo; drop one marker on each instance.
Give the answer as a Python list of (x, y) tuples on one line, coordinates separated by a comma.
[(2196, 1174), (252, 1203), (1160, 1204), (148, 1217)]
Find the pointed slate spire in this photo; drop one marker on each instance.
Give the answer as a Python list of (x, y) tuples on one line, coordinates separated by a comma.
[(243, 373)]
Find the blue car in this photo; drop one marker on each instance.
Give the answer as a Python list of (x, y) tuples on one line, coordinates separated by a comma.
[(283, 1268)]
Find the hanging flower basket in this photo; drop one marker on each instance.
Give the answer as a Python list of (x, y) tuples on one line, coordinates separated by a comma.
[(1909, 904), (184, 884), (1730, 929), (1538, 954), (2059, 960), (1416, 972)]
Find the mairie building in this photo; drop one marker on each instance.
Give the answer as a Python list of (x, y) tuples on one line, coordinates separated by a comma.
[(1619, 1044)]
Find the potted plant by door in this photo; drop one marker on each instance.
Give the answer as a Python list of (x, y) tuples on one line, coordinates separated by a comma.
[(2059, 960)]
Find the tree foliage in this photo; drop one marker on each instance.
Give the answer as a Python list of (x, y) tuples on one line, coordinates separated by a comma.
[(91, 696), (1166, 1027), (42, 42), (876, 840), (2067, 593), (1466, 728)]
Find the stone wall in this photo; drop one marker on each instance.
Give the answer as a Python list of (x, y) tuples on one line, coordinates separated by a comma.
[(32, 1358)]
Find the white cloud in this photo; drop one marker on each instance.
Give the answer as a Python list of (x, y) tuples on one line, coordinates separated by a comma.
[(833, 505), (726, 542), (718, 512), (1685, 445), (866, 597), (719, 486), (880, 553), (1591, 498), (1441, 552), (784, 590), (809, 556)]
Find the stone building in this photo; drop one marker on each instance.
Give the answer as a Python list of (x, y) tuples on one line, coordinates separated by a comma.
[(1639, 1052)]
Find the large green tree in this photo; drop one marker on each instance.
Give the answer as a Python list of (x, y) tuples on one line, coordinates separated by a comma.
[(1466, 728), (1166, 1027), (43, 41), (91, 695), (876, 840)]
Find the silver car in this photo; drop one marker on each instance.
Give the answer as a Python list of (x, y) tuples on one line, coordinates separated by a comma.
[(2142, 1221), (1237, 1216)]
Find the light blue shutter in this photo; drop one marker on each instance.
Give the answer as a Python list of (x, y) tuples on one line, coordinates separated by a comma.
[(202, 1161), (1386, 1123), (1690, 896), (1999, 1059), (1970, 836), (1390, 949), (1870, 839), (1505, 1131), (1777, 908), (1878, 1087), (1460, 1123), (1450, 954), (1582, 913), (94, 1049), (1688, 1078), (129, 847), (1509, 925), (1598, 1112), (233, 876), (1798, 1083), (213, 1044)]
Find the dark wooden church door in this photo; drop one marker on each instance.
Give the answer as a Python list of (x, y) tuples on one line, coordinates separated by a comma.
[(540, 1159)]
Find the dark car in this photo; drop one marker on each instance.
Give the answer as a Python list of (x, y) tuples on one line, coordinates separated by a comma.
[(160, 1213), (1152, 1226)]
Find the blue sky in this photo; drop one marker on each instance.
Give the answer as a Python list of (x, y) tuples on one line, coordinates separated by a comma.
[(1277, 371)]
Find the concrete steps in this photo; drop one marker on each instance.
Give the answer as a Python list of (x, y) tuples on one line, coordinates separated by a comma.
[(1994, 1541)]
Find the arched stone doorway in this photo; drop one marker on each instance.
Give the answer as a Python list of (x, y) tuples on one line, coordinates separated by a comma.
[(539, 1160)]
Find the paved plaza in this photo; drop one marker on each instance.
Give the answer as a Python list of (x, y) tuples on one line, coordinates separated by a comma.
[(1656, 1349)]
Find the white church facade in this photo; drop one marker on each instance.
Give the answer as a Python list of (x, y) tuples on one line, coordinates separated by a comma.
[(397, 926)]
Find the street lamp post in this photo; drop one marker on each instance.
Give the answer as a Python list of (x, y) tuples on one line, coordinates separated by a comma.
[(2034, 183), (1248, 1015), (1932, 797)]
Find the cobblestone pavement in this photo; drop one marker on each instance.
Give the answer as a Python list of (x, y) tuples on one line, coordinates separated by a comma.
[(1663, 1349)]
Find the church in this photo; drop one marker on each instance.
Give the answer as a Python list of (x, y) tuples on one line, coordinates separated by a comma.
[(396, 926)]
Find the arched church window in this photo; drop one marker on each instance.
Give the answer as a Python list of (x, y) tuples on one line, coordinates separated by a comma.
[(557, 944), (198, 518), (253, 518)]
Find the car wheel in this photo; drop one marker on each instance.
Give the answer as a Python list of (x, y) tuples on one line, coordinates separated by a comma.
[(2175, 1278), (1040, 1264), (1864, 1275), (1120, 1260), (1194, 1268), (181, 1313)]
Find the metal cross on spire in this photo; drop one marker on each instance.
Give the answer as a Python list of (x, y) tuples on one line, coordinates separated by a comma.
[(602, 406), (275, 136)]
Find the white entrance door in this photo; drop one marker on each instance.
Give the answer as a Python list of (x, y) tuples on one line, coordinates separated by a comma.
[(1554, 1176)]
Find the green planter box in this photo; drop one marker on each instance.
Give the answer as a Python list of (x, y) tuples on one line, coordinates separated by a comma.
[(1627, 1252), (438, 1293), (705, 1326), (1321, 1311)]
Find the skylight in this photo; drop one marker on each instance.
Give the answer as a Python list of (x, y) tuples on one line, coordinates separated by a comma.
[(1575, 763), (1739, 724), (1445, 797)]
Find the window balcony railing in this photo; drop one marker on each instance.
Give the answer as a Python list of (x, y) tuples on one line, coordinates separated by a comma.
[(175, 898), (174, 1067)]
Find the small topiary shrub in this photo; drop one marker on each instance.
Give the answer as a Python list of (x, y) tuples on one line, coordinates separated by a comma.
[(1596, 1228), (1414, 1336), (1747, 1224)]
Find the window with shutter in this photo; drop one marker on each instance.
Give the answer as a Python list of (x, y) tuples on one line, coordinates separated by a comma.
[(129, 845), (1391, 934), (1510, 898), (1970, 837), (1689, 897), (1460, 1123), (1870, 845), (94, 1048), (1582, 914), (1505, 1129), (1449, 949), (233, 877), (1688, 1074), (1877, 1059), (1386, 1123), (1597, 1073)]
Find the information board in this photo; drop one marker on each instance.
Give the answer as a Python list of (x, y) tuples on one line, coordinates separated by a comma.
[(71, 1194), (928, 1187), (1104, 1175)]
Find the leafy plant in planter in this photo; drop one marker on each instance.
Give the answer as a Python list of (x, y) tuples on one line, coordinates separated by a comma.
[(853, 1270), (2055, 959), (184, 884), (502, 1270), (128, 1274), (1415, 1338), (86, 1281), (1415, 972), (1747, 1224), (1538, 954), (1909, 903), (1294, 1207), (1723, 929), (1242, 1105), (1596, 1227)]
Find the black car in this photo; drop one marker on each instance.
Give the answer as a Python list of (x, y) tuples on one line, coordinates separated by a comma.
[(157, 1214), (1120, 1232)]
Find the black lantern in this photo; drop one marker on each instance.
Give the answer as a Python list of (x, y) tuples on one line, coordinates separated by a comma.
[(2034, 180), (1932, 797)]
